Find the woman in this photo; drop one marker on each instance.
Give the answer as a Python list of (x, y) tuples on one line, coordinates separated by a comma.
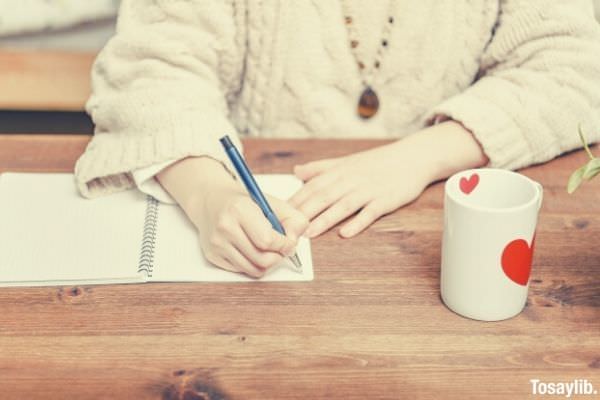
[(460, 84)]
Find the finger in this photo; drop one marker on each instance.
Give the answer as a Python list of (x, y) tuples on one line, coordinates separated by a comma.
[(263, 236), (294, 222), (342, 209), (365, 217), (261, 259), (310, 170), (224, 255), (322, 200), (315, 185), (220, 262), (295, 226), (256, 227), (238, 260)]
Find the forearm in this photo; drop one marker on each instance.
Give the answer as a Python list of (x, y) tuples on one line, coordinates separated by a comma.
[(444, 149), (539, 78)]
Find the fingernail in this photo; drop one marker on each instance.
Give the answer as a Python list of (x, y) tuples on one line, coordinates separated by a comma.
[(311, 232), (308, 232), (345, 232)]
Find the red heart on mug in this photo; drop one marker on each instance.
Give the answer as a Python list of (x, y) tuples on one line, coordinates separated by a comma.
[(516, 260), (467, 185)]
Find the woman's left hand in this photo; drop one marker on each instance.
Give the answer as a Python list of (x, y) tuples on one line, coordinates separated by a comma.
[(375, 181), (378, 181)]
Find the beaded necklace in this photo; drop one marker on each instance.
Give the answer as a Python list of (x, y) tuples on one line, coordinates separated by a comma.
[(368, 102)]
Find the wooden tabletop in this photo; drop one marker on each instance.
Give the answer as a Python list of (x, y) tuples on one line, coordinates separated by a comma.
[(370, 326)]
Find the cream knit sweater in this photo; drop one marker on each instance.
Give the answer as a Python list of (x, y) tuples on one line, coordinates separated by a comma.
[(520, 74)]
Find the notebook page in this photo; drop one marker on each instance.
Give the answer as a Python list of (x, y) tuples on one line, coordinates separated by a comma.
[(50, 235), (178, 256)]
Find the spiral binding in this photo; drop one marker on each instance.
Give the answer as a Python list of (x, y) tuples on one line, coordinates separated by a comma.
[(146, 262)]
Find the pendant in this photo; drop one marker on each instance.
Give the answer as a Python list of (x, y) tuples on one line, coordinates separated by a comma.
[(368, 104)]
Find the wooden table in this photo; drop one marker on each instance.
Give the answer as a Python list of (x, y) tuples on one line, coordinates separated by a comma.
[(371, 325)]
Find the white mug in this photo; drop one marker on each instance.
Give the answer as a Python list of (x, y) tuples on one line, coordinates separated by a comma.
[(490, 218)]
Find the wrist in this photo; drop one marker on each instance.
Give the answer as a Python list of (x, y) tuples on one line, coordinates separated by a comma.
[(446, 148), (189, 181)]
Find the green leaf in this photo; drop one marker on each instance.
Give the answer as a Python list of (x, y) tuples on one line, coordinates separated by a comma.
[(592, 169), (576, 179)]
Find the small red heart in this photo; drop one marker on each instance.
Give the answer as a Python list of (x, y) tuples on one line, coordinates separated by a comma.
[(467, 185), (516, 260)]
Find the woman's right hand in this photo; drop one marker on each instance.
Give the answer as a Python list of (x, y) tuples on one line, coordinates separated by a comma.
[(233, 232), (235, 235)]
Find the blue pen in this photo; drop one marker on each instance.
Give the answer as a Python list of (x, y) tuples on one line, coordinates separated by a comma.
[(254, 191)]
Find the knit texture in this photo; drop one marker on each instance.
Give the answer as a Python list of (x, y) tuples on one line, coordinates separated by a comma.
[(520, 74)]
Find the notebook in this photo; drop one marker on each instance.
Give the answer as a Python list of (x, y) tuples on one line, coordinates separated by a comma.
[(50, 235)]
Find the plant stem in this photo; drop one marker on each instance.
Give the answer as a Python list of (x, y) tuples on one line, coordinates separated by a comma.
[(585, 145)]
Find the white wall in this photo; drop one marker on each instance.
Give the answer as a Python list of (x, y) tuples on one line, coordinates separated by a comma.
[(58, 24), (87, 37)]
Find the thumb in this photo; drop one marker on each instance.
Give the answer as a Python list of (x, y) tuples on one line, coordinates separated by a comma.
[(294, 222)]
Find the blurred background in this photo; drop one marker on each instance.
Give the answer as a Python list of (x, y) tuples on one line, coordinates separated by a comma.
[(46, 51)]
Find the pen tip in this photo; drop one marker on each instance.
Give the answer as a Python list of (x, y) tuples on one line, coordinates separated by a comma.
[(296, 260)]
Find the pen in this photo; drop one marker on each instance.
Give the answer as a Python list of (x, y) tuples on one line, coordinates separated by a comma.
[(254, 191)]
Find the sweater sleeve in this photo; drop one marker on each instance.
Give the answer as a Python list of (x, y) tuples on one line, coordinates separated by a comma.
[(539, 79), (145, 180), (159, 90)]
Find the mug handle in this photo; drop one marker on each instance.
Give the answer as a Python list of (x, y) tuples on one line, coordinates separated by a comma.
[(540, 190)]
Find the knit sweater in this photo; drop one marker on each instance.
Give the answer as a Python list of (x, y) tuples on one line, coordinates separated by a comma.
[(520, 74)]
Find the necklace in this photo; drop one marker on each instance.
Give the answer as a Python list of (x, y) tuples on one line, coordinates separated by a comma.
[(368, 102)]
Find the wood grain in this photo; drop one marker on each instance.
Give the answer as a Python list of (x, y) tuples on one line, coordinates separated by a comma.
[(44, 80), (371, 325)]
